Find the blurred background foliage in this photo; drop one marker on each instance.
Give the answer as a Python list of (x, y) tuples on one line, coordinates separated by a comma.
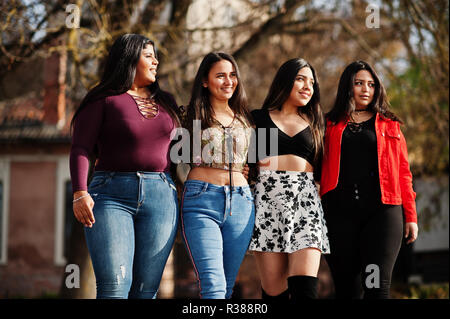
[(409, 49), (431, 291)]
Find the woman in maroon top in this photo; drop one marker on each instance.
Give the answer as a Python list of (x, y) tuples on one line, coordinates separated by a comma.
[(124, 126), (366, 186)]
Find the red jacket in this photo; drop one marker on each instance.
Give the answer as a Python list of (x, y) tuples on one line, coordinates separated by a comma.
[(393, 165)]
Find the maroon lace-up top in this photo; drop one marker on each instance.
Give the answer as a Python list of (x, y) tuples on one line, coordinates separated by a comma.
[(128, 134)]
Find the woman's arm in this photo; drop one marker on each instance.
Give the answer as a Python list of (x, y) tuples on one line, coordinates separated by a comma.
[(85, 135), (408, 194), (405, 177)]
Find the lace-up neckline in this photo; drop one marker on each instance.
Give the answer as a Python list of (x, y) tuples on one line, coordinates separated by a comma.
[(146, 106)]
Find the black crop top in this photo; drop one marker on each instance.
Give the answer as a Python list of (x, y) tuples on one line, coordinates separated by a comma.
[(302, 144)]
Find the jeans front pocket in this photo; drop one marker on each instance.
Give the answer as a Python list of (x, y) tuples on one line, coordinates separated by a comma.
[(194, 190), (98, 182)]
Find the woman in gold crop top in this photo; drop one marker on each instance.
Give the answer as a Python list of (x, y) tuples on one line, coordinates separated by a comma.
[(217, 210)]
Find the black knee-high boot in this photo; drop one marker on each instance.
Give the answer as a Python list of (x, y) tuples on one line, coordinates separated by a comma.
[(302, 287), (283, 296)]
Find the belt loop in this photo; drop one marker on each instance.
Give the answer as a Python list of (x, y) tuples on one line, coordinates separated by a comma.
[(163, 177)]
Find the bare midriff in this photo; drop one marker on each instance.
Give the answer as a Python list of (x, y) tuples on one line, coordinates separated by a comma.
[(287, 162), (216, 176)]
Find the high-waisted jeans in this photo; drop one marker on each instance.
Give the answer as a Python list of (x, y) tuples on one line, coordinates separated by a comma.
[(216, 240), (136, 216)]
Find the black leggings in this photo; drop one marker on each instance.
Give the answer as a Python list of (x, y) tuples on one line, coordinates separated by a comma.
[(362, 233)]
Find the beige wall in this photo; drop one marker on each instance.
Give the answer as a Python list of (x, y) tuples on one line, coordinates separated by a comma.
[(30, 269)]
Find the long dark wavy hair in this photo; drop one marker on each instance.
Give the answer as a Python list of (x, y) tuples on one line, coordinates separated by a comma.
[(344, 104), (280, 90), (200, 108), (119, 73)]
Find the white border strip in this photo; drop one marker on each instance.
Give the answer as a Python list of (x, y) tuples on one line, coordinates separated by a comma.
[(5, 178)]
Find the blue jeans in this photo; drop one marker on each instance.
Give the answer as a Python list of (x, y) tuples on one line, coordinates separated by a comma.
[(136, 216), (215, 240)]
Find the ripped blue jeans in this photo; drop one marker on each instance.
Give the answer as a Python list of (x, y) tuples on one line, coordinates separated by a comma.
[(136, 217)]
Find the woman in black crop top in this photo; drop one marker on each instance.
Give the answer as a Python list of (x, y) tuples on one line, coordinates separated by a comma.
[(290, 232)]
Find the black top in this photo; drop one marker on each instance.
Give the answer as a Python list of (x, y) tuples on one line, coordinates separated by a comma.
[(359, 158), (301, 144)]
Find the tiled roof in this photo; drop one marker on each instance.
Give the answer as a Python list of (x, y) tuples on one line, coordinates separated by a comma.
[(21, 122), (27, 131)]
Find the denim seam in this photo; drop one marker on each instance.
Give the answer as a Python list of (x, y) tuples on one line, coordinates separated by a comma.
[(226, 205), (187, 245), (141, 196), (104, 182), (202, 191), (167, 181), (244, 194)]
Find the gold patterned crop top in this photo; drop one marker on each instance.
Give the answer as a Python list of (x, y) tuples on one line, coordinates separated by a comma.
[(223, 146)]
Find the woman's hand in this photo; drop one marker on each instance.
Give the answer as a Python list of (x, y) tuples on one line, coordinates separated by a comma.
[(411, 231), (82, 208), (245, 171)]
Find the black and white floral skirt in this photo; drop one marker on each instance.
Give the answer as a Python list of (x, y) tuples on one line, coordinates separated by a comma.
[(289, 214)]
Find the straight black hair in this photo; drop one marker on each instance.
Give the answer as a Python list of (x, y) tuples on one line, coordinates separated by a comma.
[(280, 90), (344, 104), (119, 73)]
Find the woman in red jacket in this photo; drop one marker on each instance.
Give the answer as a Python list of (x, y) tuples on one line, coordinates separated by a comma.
[(366, 186)]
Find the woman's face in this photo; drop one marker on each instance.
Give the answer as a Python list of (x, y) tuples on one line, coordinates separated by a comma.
[(222, 81), (146, 67), (303, 89), (363, 89)]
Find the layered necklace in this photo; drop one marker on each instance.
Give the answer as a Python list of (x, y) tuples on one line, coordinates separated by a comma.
[(354, 126)]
